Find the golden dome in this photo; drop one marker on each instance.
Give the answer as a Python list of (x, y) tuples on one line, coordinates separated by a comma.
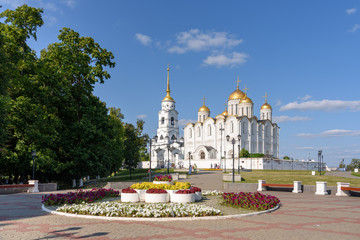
[(204, 109), (237, 94), (168, 98), (225, 113), (266, 106), (246, 99)]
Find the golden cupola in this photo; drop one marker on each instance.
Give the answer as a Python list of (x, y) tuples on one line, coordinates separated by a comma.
[(168, 97), (237, 94), (246, 99), (204, 108), (225, 113), (266, 105)]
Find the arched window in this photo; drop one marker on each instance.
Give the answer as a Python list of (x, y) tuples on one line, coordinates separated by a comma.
[(247, 111), (202, 155), (190, 133), (173, 137), (267, 115), (263, 116), (161, 137), (232, 127), (203, 118), (172, 121), (162, 120), (236, 108), (199, 133), (209, 130), (244, 128)]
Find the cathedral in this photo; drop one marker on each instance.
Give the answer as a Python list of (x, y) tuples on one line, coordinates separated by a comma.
[(210, 140)]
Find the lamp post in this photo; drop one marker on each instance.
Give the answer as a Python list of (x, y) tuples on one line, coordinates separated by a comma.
[(189, 160), (233, 155), (319, 160), (33, 154), (239, 138), (221, 130), (150, 141)]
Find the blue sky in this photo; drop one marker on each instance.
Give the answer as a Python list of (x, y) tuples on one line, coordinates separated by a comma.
[(304, 54)]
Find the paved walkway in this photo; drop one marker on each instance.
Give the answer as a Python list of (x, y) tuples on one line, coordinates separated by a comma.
[(301, 216), (346, 174)]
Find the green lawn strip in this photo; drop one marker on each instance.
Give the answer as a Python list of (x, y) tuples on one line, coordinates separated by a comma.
[(356, 174), (287, 177)]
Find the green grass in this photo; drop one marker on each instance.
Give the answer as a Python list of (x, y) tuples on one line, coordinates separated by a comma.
[(287, 177), (356, 174)]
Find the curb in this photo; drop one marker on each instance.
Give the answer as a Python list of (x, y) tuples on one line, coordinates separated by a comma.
[(136, 219)]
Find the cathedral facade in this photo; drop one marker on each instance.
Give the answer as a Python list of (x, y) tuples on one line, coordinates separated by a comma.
[(206, 141)]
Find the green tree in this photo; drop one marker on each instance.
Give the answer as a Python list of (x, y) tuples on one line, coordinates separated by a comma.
[(355, 163), (286, 158), (244, 153)]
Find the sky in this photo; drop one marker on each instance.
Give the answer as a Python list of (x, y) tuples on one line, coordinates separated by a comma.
[(304, 54)]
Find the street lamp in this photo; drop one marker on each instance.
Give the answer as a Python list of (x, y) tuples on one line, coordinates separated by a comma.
[(150, 141), (319, 160), (221, 130), (189, 160), (233, 143), (33, 154), (239, 138)]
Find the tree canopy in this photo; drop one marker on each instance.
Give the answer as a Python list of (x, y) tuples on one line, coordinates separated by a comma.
[(47, 105)]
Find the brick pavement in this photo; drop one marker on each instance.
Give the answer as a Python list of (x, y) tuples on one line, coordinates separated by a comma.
[(301, 216)]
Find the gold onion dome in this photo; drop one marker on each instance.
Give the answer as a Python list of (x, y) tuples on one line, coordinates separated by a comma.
[(237, 94), (246, 99), (266, 105), (204, 108), (168, 97), (225, 113)]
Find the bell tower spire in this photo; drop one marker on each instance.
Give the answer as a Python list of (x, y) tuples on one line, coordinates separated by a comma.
[(168, 97)]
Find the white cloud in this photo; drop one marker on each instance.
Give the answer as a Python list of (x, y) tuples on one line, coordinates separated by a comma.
[(351, 11), (323, 105), (307, 97), (184, 122), (70, 3), (143, 39), (332, 133), (279, 119), (221, 60), (196, 40), (278, 103), (141, 116), (50, 20), (12, 3), (355, 28)]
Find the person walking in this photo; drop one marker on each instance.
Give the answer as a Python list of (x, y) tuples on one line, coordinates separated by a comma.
[(195, 168), (190, 169)]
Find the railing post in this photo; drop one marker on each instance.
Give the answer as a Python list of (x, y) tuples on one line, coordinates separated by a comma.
[(321, 188), (260, 185), (342, 192), (297, 187)]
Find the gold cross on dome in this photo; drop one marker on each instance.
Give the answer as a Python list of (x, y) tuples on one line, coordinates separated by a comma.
[(245, 89), (204, 100), (266, 96), (238, 82)]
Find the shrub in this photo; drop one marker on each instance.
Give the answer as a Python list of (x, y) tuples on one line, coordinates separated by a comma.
[(195, 189)]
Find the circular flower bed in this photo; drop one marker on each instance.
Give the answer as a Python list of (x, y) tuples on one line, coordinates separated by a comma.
[(163, 178), (197, 192), (183, 196), (116, 209), (156, 196), (252, 201)]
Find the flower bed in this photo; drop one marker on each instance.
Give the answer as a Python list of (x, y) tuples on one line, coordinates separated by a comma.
[(128, 190), (183, 196), (156, 196), (116, 209), (252, 201), (79, 196), (149, 185), (197, 192), (163, 178)]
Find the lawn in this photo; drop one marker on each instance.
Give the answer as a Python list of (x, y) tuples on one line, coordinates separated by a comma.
[(286, 177)]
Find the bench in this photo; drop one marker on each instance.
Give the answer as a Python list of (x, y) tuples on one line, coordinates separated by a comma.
[(16, 185), (343, 189), (262, 186)]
